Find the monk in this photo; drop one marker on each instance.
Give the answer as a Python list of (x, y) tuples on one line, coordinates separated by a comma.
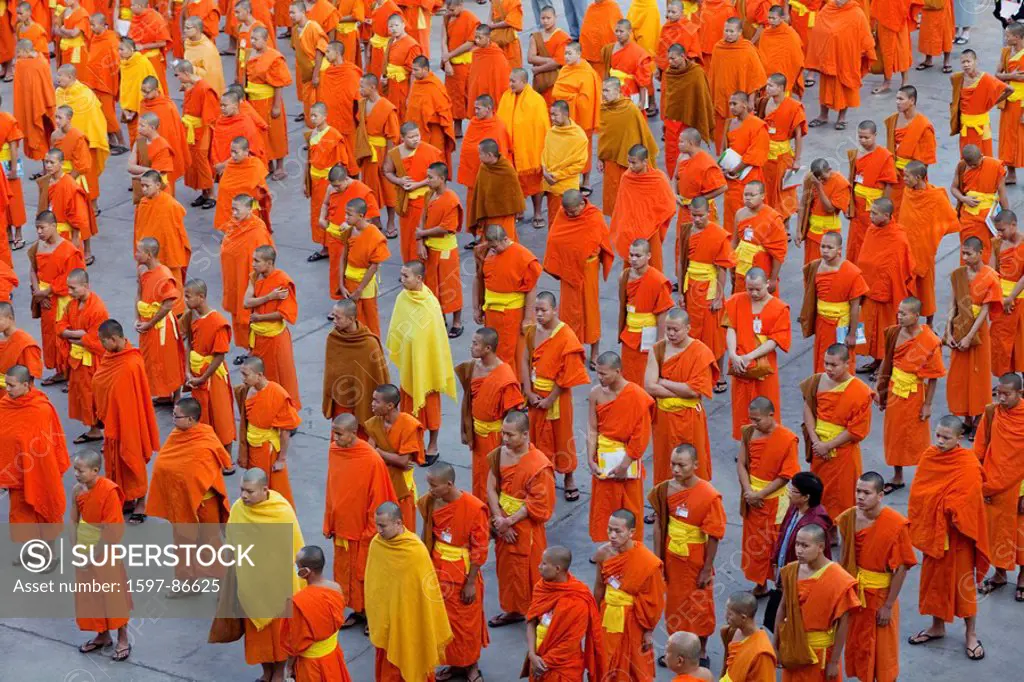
[(151, 151), (263, 635), (996, 444), (456, 533), (818, 597), (309, 40), (171, 126), (378, 121), (644, 207), (237, 119), (79, 328), (159, 337), (750, 654), (936, 34), (891, 21), (133, 69), (785, 116), (521, 499), (400, 578), (760, 239), (69, 202), (457, 58), (578, 250), (685, 103), (405, 167), (551, 365), (200, 46), (622, 127), (767, 461), (525, 114), (836, 50), (630, 63), (17, 347), (244, 234), (546, 53), (630, 589), (503, 295), (947, 513), (684, 658), (748, 138), (975, 94), (51, 260), (618, 432), (200, 110), (188, 483), (96, 517), (486, 126), (506, 21), (757, 324), (1007, 326), (402, 48), (430, 108), (354, 364), (927, 216), (75, 147), (100, 74), (1011, 142), (979, 183), (734, 67), (497, 197), (580, 87), (490, 70), (689, 525), (365, 249), (266, 72), (598, 30), (209, 339), (489, 391), (11, 137), (680, 28), (645, 296), (435, 237), (88, 117), (910, 136), (35, 491), (706, 255), (123, 405), (341, 189), (418, 346), (242, 174), (34, 99), (270, 295), (562, 622), (318, 611), (339, 91), (32, 22), (152, 37), (358, 482), (887, 264), (872, 176), (781, 50), (824, 196), (267, 417), (680, 372), (906, 386)]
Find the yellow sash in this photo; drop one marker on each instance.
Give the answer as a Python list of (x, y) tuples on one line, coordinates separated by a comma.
[(820, 224), (321, 648), (265, 329), (820, 639), (88, 534), (868, 194), (985, 201), (64, 230), (209, 495), (356, 275), (259, 91), (81, 353), (759, 484), (980, 123), (547, 385), (5, 152), (347, 27), (191, 123), (255, 436), (62, 301), (510, 505), (375, 142), (615, 603), (482, 428), (827, 431), (903, 383), (872, 580), (801, 10), (125, 14), (681, 535), (902, 163), (745, 252), (318, 173), (150, 54), (676, 404), (417, 193), (452, 553), (725, 677), (1007, 286), (702, 272), (464, 58), (148, 310), (443, 244), (75, 45), (396, 73), (621, 75), (777, 148), (334, 230), (500, 302), (637, 322), (836, 312), (379, 42), (690, 8), (606, 445), (542, 632), (1018, 91)]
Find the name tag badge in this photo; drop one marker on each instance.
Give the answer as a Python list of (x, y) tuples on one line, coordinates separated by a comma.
[(545, 620), (771, 131), (757, 325), (859, 179), (533, 375), (630, 308), (648, 337), (614, 582), (682, 511), (446, 537), (748, 234)]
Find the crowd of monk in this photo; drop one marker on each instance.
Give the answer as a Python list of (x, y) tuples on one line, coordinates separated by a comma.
[(381, 136)]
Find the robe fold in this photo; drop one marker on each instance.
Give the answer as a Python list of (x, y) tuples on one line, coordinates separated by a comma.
[(887, 264), (485, 402), (513, 273), (683, 420), (706, 249), (272, 341), (752, 141), (105, 610), (640, 299), (19, 348), (318, 612), (240, 241), (209, 335), (999, 439), (871, 173), (404, 438), (644, 208), (443, 271), (913, 363), (638, 573), (969, 380), (271, 410), (571, 616), (161, 346), (839, 49), (85, 355), (769, 457)]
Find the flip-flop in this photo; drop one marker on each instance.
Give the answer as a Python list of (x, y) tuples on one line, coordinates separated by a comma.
[(53, 380), (539, 223), (817, 123), (586, 191), (972, 652), (881, 91), (208, 204), (923, 66), (471, 245), (230, 471), (661, 661), (890, 488), (455, 332), (721, 387), (504, 619), (988, 586), (315, 256), (391, 235), (1018, 594), (121, 655), (840, 125), (92, 646), (17, 244), (136, 519), (198, 201), (239, 360), (86, 438), (867, 369), (922, 638), (650, 518), (571, 494), (810, 82), (651, 113), (947, 69), (90, 260)]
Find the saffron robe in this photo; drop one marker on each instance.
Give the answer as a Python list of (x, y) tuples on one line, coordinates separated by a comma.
[(485, 402), (751, 140), (837, 49), (240, 241), (430, 108), (19, 348), (998, 440), (367, 248), (404, 438), (622, 126), (443, 272), (52, 269), (871, 172), (379, 125), (783, 123), (571, 615), (906, 436), (887, 264), (761, 241), (85, 357), (272, 341), (980, 182), (927, 216), (102, 611), (318, 612), (638, 573), (969, 381), (837, 189), (644, 207), (161, 346), (768, 458), (200, 109), (488, 74), (972, 109), (709, 246), (845, 407), (209, 335), (270, 409), (514, 271), (650, 294), (34, 105), (598, 30), (459, 30), (265, 74)]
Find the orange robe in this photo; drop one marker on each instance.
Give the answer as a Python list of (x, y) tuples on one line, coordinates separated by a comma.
[(208, 335), (334, 238), (675, 423), (846, 407), (709, 246), (978, 100), (913, 142), (85, 356), (103, 611), (443, 273), (409, 205), (872, 172), (171, 129), (34, 104), (398, 58), (73, 50), (161, 346), (882, 547), (240, 241), (948, 525), (598, 30), (245, 124), (892, 23), (130, 433), (769, 457), (248, 176), (490, 397), (69, 202), (840, 286), (649, 294), (927, 216), (695, 176), (318, 612), (774, 323), (480, 129), (688, 608), (99, 72), (783, 124), (20, 349), (151, 27), (578, 250), (379, 16), (367, 248), (1008, 327), (552, 48), (752, 659), (38, 31), (685, 103), (781, 51), (632, 65), (339, 90), (511, 13), (430, 108), (347, 32), (999, 439), (556, 361), (405, 438), (53, 268), (887, 264), (75, 147), (1011, 138), (513, 271), (638, 573), (733, 67), (273, 345), (906, 436), (644, 207), (306, 43), (837, 49), (379, 123), (936, 30), (969, 381), (270, 409), (712, 17), (571, 615), (200, 109), (983, 179), (761, 241), (685, 32), (357, 483), (10, 132), (837, 189), (459, 31), (163, 218), (752, 142), (209, 11), (266, 71), (531, 482), (625, 424), (8, 280)]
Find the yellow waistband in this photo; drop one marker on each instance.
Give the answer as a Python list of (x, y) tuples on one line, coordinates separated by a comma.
[(801, 10), (452, 553), (464, 58), (264, 329), (621, 75), (871, 580), (777, 148), (836, 312), (903, 383), (318, 173), (356, 275), (980, 123), (150, 54), (702, 272), (725, 677), (347, 27), (191, 123), (985, 201), (827, 431), (395, 73), (510, 505), (198, 364), (542, 632), (379, 42), (681, 535), (125, 14), (676, 404), (547, 385), (445, 243), (75, 45), (334, 229), (259, 91), (500, 301), (1007, 286), (418, 193), (5, 152), (1018, 91), (615, 603), (868, 194), (88, 534), (62, 301), (759, 484), (255, 436), (606, 446), (486, 428), (820, 224), (321, 648), (376, 141), (820, 639), (637, 322), (148, 310), (902, 163), (690, 8), (64, 230), (745, 252), (80, 353)]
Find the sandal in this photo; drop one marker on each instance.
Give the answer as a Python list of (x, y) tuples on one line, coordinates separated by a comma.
[(456, 332), (91, 646), (1018, 594), (840, 125), (661, 661), (353, 620), (810, 82), (923, 66), (988, 586), (315, 256), (503, 619), (391, 235), (53, 380), (198, 201), (922, 638), (209, 203), (121, 655), (86, 438), (539, 222), (651, 113), (890, 488), (947, 69), (471, 245), (817, 122), (136, 519), (573, 494), (90, 260), (586, 191), (973, 652), (721, 386), (239, 360), (17, 244)]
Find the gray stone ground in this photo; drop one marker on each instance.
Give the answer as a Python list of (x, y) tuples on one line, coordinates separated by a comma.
[(177, 650)]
